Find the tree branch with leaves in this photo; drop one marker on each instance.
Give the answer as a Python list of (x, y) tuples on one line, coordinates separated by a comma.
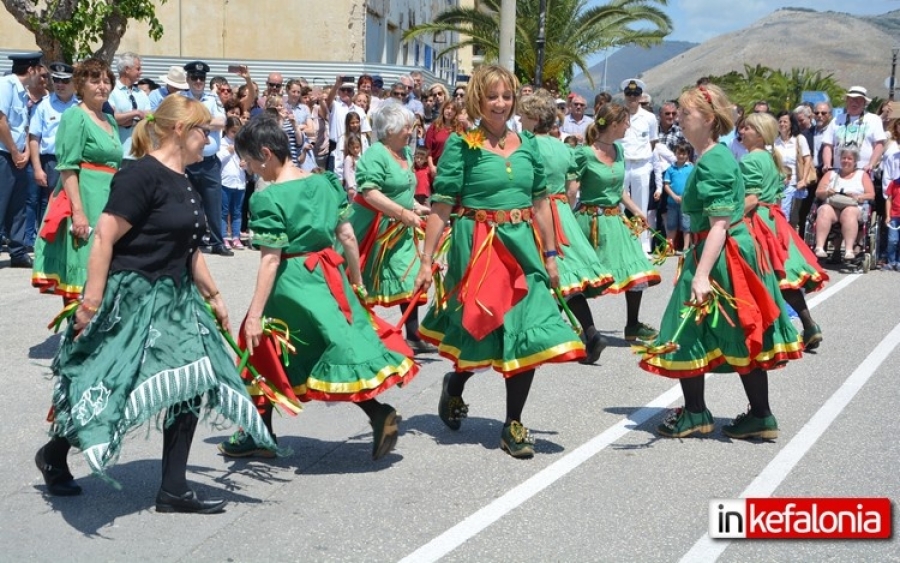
[(69, 30)]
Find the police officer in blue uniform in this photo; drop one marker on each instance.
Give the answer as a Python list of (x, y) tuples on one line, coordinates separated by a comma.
[(42, 137), (14, 154), (206, 175)]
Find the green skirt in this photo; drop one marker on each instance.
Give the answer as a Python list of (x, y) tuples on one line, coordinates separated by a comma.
[(719, 344), (618, 250), (801, 269), (579, 269), (151, 346), (390, 259), (337, 358), (532, 332), (60, 266)]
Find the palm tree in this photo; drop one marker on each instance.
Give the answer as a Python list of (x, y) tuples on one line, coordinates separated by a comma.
[(573, 31), (782, 89)]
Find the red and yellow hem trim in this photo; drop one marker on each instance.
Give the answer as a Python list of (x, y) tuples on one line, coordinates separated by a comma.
[(650, 278), (809, 282), (362, 390), (767, 360), (585, 284), (52, 284), (565, 352)]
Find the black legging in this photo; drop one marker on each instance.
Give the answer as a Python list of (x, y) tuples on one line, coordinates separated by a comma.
[(517, 388), (579, 306), (756, 386), (412, 323)]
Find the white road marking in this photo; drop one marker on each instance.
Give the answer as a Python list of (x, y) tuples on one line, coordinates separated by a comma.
[(474, 524), (706, 549)]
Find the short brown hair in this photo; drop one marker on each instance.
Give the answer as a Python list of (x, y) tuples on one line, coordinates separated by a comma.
[(482, 79), (90, 69)]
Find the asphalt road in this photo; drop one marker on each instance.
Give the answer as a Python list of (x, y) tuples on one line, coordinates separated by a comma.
[(602, 487)]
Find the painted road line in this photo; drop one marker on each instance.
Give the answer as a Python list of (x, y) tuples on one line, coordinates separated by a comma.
[(474, 524), (707, 549)]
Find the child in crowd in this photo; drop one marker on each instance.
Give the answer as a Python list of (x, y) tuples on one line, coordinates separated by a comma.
[(352, 148), (892, 221), (234, 182), (352, 124), (423, 176), (674, 182)]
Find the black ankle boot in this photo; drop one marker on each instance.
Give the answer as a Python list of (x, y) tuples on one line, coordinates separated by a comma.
[(59, 480)]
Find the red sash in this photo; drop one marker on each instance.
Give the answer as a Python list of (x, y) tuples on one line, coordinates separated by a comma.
[(493, 283), (786, 232), (561, 238)]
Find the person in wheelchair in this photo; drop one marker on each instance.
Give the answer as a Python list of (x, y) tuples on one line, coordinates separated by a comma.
[(842, 191)]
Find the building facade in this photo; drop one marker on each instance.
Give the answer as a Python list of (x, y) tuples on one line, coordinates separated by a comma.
[(340, 31)]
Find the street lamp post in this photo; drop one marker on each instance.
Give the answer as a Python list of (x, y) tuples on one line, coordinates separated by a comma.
[(894, 52), (541, 43)]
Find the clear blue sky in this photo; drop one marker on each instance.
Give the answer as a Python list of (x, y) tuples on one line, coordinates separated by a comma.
[(699, 20)]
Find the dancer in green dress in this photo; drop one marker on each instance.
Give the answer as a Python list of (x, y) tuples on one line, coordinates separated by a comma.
[(600, 167), (726, 313), (338, 355), (498, 311), (797, 267), (581, 274), (386, 216), (88, 154), (143, 339)]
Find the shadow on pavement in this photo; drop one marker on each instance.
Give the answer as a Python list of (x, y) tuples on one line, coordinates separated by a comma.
[(101, 503), (47, 349), (474, 430)]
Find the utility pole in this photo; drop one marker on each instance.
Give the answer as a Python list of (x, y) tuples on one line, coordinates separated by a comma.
[(541, 42), (894, 53), (508, 35)]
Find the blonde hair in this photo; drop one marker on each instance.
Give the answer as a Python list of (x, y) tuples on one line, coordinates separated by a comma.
[(767, 127), (712, 102), (482, 80), (159, 127), (539, 107), (609, 113)]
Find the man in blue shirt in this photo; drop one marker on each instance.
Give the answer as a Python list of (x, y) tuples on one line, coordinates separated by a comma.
[(14, 154), (130, 104), (206, 175), (42, 142), (173, 82)]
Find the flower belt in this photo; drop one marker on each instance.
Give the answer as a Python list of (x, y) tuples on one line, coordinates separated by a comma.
[(499, 216), (599, 210)]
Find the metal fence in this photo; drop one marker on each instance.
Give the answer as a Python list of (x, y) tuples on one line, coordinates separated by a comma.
[(316, 73)]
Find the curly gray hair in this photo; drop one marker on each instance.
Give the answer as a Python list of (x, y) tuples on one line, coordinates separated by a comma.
[(390, 118)]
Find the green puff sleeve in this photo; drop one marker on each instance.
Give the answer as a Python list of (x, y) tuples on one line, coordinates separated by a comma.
[(753, 177), (448, 181), (267, 221), (340, 195), (539, 184), (572, 169), (719, 183), (71, 139), (580, 158), (371, 168)]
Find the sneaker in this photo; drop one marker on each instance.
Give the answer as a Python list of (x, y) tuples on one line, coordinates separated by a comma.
[(812, 337), (451, 409), (517, 441), (384, 430), (226, 243), (421, 347), (242, 444), (746, 425), (640, 331), (681, 423), (820, 252), (237, 244), (595, 347)]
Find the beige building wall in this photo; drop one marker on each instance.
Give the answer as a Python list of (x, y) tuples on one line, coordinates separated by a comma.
[(324, 30)]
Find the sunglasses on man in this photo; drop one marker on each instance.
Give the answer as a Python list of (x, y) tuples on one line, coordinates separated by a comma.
[(57, 80)]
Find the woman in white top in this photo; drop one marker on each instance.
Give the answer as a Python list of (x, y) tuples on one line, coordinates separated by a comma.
[(843, 190), (789, 144), (234, 181)]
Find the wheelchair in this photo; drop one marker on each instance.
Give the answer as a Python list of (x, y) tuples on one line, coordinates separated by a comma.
[(865, 247)]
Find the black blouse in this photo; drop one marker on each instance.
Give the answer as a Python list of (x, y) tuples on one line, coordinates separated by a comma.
[(166, 216)]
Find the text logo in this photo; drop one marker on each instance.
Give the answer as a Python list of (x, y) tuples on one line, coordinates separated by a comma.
[(800, 518)]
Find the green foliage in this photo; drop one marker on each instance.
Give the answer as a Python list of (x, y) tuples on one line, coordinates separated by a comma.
[(573, 32), (74, 29), (783, 90)]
